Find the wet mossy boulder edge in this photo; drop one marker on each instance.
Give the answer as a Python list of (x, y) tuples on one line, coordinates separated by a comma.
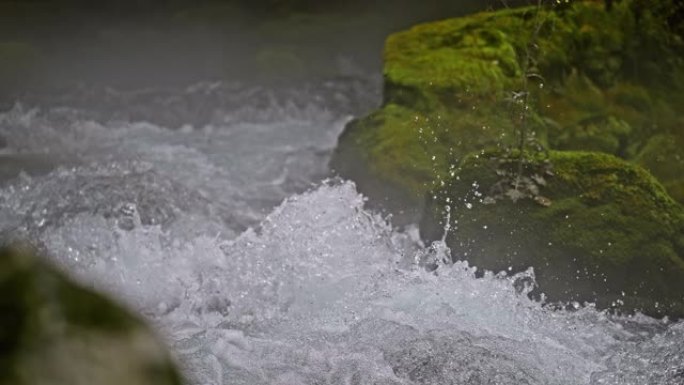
[(54, 331), (396, 154), (606, 231), (607, 81)]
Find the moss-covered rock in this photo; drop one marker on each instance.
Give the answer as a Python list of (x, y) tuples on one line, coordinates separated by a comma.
[(55, 332), (600, 229), (597, 80), (662, 155), (611, 82), (444, 92), (396, 154)]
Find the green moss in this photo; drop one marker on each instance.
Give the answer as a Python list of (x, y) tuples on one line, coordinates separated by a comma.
[(595, 134), (610, 228), (412, 151), (663, 157), (473, 57)]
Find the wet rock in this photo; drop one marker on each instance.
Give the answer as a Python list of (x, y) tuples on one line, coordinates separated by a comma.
[(595, 80), (608, 232), (53, 331)]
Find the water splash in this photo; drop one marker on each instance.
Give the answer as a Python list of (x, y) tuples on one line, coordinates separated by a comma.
[(325, 292), (180, 225)]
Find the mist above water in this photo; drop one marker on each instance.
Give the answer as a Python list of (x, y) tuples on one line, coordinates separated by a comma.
[(133, 45)]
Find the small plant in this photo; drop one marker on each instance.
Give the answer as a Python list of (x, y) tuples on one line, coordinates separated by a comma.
[(525, 179)]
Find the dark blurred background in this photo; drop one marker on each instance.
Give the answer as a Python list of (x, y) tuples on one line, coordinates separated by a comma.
[(52, 45)]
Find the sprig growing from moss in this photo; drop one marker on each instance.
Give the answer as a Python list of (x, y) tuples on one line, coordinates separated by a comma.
[(515, 184), (529, 71)]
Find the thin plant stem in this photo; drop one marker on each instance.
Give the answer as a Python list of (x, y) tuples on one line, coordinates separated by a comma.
[(522, 128)]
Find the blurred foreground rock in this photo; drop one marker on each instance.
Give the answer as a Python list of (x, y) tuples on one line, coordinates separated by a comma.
[(52, 331)]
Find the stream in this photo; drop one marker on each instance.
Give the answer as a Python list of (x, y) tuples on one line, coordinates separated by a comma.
[(211, 211)]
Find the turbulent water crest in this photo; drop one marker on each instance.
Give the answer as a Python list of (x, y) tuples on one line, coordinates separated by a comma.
[(257, 272)]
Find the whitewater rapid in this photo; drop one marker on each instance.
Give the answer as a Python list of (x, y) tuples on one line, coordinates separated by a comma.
[(256, 269)]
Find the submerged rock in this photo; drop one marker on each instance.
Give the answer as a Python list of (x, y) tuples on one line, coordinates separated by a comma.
[(53, 331), (594, 227), (135, 195)]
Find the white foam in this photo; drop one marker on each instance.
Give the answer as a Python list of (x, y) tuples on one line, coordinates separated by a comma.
[(318, 290), (318, 295)]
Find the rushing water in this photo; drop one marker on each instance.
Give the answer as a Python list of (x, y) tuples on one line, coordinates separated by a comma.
[(225, 235)]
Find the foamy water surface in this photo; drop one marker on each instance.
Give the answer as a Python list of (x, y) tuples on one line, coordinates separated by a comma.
[(258, 270)]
